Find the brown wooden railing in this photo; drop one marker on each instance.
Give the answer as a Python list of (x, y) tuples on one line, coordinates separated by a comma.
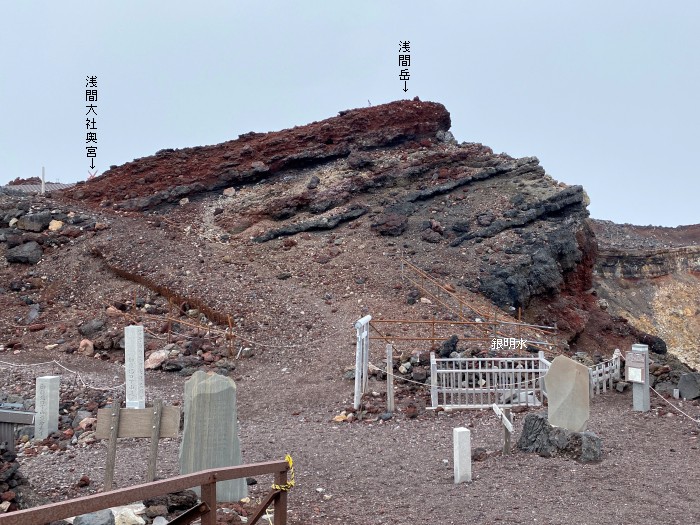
[(206, 510)]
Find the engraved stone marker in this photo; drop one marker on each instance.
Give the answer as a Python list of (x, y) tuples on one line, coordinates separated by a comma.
[(210, 436), (46, 404), (135, 378), (568, 394)]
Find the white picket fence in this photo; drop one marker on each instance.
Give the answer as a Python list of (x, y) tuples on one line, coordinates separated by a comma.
[(603, 374), (513, 381), (481, 382)]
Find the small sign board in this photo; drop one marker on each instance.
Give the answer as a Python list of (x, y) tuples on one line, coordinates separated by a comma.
[(501, 415), (635, 367)]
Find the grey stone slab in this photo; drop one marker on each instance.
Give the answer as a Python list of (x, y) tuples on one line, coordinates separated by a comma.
[(689, 386), (46, 406), (567, 384), (210, 435), (135, 375)]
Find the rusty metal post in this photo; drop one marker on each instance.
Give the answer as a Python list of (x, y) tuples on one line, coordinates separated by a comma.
[(209, 497), (281, 500)]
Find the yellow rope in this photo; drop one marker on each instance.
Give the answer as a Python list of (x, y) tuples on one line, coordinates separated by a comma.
[(287, 486)]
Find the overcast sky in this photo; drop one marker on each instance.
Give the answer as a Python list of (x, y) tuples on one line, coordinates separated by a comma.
[(605, 93)]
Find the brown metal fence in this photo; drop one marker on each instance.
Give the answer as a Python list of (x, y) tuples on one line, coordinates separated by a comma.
[(206, 479)]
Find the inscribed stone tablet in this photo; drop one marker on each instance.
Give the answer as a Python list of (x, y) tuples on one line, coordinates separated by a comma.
[(567, 384), (135, 376)]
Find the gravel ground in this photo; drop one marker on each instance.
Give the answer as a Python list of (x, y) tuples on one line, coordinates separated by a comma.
[(400, 471)]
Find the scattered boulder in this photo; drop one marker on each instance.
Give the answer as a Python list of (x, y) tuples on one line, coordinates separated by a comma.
[(391, 224), (35, 222), (128, 517), (313, 183), (541, 437), (86, 348), (689, 386), (156, 359), (91, 327), (655, 343), (55, 225), (430, 236), (101, 517), (448, 346), (28, 253)]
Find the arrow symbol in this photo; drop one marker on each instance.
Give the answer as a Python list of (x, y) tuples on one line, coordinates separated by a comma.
[(405, 87), (92, 163)]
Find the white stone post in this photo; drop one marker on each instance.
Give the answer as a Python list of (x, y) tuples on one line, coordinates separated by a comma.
[(462, 454), (389, 379), (133, 358), (46, 406), (43, 180)]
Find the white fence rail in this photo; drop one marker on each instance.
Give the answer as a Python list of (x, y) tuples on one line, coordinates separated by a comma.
[(482, 382), (603, 374), (513, 381)]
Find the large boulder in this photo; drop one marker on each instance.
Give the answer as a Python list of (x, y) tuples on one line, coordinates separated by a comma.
[(27, 253), (547, 441), (689, 386), (35, 222)]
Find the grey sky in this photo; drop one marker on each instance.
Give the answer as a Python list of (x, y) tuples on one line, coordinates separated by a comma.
[(604, 93)]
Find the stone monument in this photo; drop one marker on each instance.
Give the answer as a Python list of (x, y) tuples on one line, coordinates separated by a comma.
[(210, 436), (568, 394), (46, 406), (135, 375)]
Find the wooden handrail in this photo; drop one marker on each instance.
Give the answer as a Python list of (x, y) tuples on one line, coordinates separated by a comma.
[(207, 479)]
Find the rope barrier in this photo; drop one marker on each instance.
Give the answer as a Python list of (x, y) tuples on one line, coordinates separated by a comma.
[(675, 407), (56, 363)]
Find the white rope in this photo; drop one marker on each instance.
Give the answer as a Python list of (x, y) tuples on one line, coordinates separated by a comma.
[(54, 362), (675, 407)]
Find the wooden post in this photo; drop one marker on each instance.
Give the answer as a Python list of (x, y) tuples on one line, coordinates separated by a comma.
[(112, 445), (155, 436), (389, 379), (506, 432), (209, 497), (280, 517)]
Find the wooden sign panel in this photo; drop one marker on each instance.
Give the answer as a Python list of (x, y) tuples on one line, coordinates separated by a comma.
[(138, 422)]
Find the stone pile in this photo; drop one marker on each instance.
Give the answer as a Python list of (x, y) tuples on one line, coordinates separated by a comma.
[(11, 482), (29, 229)]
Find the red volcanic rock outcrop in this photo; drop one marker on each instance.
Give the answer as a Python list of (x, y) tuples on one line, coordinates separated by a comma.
[(173, 174)]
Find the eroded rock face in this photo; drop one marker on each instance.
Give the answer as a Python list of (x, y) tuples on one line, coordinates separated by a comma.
[(170, 175), (489, 223), (651, 276)]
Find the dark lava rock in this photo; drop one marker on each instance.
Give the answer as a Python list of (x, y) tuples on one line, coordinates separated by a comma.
[(391, 224), (541, 437), (313, 183), (91, 327), (28, 253), (689, 386), (461, 226), (448, 346), (35, 222), (431, 236), (655, 343)]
